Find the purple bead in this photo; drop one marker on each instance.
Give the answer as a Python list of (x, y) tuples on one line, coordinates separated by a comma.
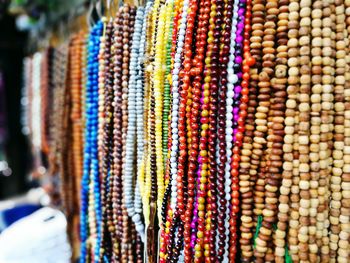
[(234, 133), (239, 38), (193, 239), (238, 59), (238, 90)]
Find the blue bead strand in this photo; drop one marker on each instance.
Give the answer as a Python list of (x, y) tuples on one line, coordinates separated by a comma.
[(91, 171)]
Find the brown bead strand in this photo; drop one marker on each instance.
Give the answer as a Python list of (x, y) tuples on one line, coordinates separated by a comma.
[(53, 124), (287, 174), (275, 138), (263, 110), (304, 129), (67, 162), (151, 230), (247, 177), (59, 164), (117, 136), (76, 113), (44, 92), (224, 57), (107, 143), (76, 146), (101, 99), (128, 28), (259, 141)]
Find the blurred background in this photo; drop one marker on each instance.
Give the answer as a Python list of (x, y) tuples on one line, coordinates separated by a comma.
[(15, 158), (31, 230)]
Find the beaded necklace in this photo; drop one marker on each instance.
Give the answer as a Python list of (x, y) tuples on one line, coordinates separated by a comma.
[(166, 108), (128, 29), (44, 92), (247, 171), (221, 154), (154, 147), (76, 113), (326, 137), (176, 200), (248, 61), (158, 86), (106, 143), (184, 112), (344, 210), (75, 126), (315, 121), (146, 161), (90, 180), (61, 168), (234, 60), (209, 94), (293, 126), (274, 150), (167, 244), (142, 96), (212, 209), (280, 72), (131, 131), (168, 30), (166, 117), (101, 92), (197, 68), (304, 130), (258, 158), (341, 143), (263, 118), (116, 169)]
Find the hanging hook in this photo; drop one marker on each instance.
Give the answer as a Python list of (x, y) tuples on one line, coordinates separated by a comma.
[(98, 7), (89, 15)]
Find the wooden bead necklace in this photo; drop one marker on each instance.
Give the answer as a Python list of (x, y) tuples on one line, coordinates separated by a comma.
[(248, 167), (340, 153), (304, 129)]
